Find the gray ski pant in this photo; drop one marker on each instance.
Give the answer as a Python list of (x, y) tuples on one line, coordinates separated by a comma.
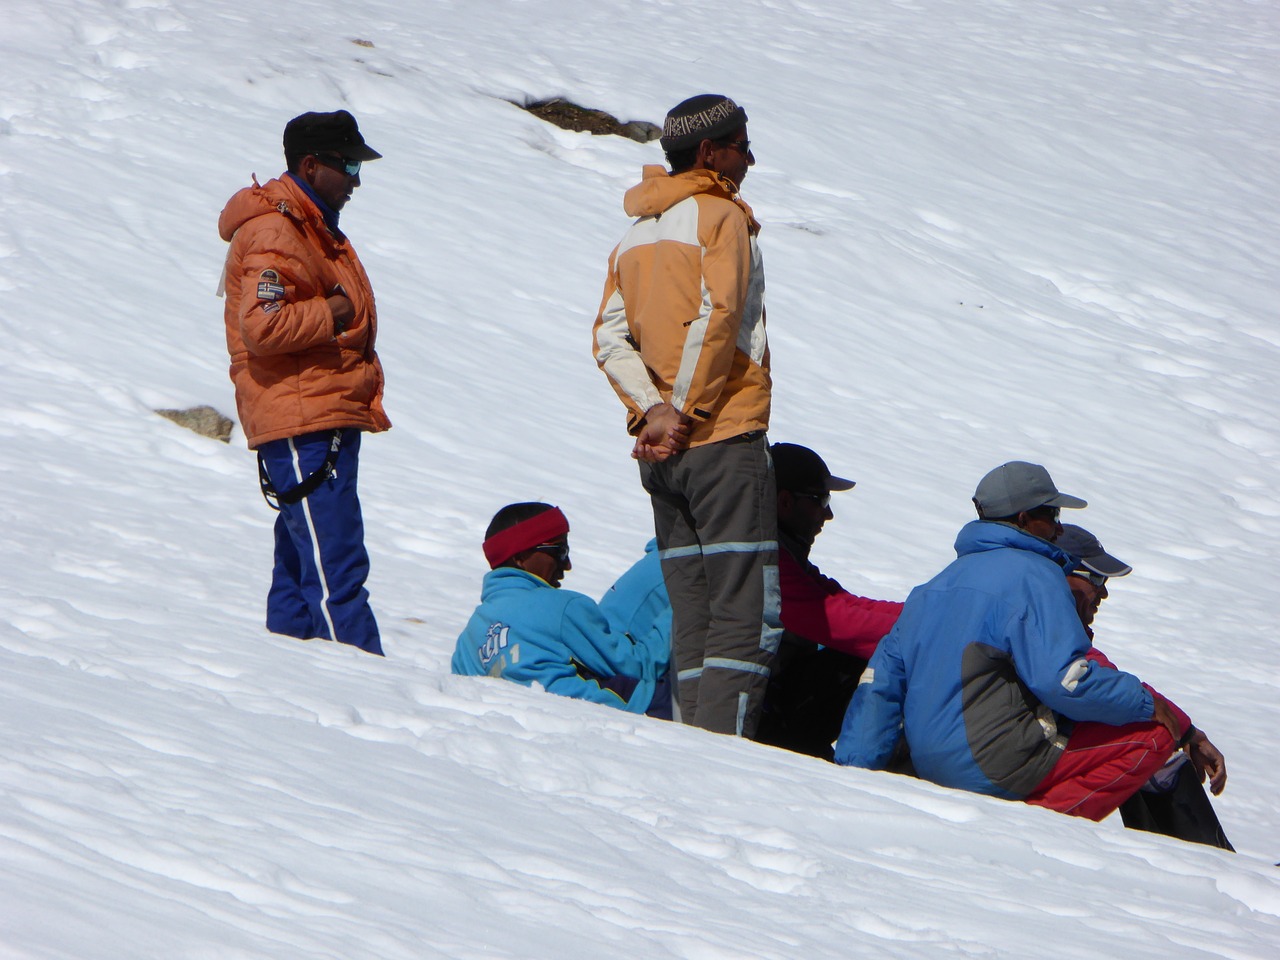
[(715, 515)]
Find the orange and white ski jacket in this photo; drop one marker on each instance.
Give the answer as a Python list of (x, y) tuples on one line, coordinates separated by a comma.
[(291, 374), (682, 318)]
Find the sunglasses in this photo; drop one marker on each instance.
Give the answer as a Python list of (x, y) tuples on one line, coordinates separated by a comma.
[(559, 552), (743, 145), (821, 499), (342, 164), (1097, 579)]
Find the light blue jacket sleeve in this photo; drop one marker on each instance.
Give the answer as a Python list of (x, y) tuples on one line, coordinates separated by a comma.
[(580, 657), (873, 723), (637, 605)]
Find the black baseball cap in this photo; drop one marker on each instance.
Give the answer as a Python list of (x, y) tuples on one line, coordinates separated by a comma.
[(336, 132), (798, 468)]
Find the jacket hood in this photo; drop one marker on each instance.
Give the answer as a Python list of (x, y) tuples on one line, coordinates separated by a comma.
[(512, 578), (275, 195), (659, 191), (979, 536)]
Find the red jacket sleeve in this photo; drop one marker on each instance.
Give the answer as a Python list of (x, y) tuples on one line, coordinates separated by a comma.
[(819, 609)]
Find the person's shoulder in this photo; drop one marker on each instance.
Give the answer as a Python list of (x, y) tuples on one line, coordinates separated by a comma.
[(716, 205), (576, 602)]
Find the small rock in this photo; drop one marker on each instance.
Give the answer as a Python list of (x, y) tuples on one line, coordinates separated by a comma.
[(570, 116), (204, 420)]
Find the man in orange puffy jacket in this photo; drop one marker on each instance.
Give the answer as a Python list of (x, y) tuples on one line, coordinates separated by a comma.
[(301, 325)]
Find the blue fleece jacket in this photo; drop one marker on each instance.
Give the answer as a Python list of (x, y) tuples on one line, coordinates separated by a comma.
[(528, 631), (985, 671), (637, 605)]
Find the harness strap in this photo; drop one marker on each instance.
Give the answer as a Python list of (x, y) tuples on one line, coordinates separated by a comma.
[(308, 486)]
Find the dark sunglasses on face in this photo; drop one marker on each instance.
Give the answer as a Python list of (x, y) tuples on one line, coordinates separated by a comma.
[(821, 499), (342, 164), (1047, 513), (742, 145), (559, 552)]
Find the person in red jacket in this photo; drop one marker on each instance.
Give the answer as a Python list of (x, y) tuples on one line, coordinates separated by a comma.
[(300, 324), (829, 633), (1173, 801)]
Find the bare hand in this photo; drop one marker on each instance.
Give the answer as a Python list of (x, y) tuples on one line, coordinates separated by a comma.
[(665, 432), (343, 312), (1208, 761), (1165, 717)]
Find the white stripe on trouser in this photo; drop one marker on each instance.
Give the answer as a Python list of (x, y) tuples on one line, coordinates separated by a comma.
[(745, 666), (712, 549), (315, 545)]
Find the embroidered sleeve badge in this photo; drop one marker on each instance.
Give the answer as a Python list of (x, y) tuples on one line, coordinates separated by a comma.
[(269, 286)]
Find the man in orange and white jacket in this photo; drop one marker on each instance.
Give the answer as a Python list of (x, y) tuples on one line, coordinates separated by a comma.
[(300, 324), (681, 336)]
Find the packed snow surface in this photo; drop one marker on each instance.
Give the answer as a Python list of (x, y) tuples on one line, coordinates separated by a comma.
[(993, 230)]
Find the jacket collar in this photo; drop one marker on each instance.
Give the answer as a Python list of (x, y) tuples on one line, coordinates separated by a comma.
[(979, 536), (327, 213), (510, 578)]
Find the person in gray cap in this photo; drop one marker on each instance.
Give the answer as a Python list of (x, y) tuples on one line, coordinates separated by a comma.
[(680, 335), (301, 324), (987, 673), (1173, 801)]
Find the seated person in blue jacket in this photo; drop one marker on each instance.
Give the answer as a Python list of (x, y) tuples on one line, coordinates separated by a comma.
[(637, 605), (1173, 801), (988, 677), (529, 631)]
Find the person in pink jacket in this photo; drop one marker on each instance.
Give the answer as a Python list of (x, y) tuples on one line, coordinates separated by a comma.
[(829, 633)]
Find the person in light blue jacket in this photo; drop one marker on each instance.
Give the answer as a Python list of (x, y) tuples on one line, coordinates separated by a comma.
[(637, 605), (986, 673), (527, 630)]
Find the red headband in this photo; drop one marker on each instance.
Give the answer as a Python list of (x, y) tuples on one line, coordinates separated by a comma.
[(526, 534)]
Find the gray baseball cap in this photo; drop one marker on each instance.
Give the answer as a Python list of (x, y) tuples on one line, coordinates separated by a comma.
[(1016, 486), (1088, 552)]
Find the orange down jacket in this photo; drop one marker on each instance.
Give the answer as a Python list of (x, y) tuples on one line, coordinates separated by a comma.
[(291, 374), (682, 316)]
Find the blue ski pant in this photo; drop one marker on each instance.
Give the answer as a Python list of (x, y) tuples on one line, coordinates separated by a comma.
[(317, 585)]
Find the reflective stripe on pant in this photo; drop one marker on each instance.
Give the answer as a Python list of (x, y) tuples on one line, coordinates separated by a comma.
[(715, 517), (1102, 767), (317, 585)]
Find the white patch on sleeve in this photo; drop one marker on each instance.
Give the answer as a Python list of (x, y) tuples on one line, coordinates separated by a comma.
[(1074, 672), (868, 676)]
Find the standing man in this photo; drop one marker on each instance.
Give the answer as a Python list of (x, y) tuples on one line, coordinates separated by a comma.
[(301, 325), (680, 335), (987, 672)]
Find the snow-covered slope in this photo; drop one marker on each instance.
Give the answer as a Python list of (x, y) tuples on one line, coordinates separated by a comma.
[(992, 230)]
